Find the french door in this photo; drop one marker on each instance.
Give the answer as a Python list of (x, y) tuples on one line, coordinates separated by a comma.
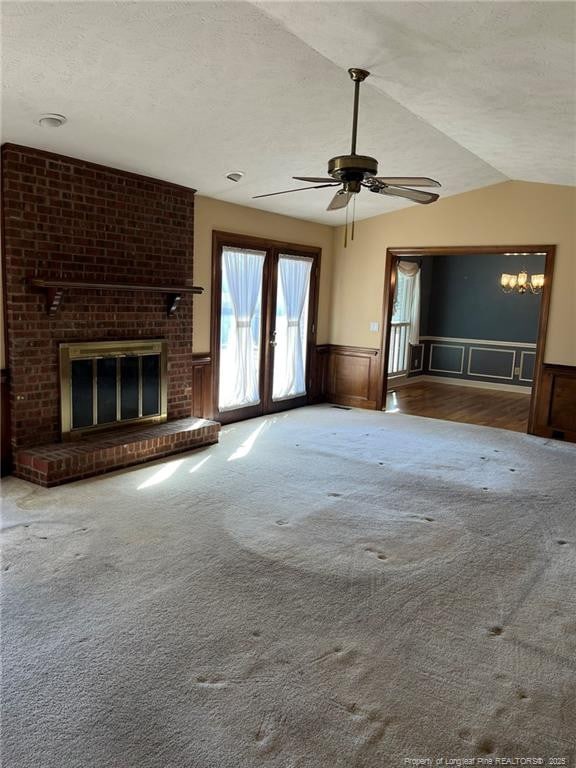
[(264, 309)]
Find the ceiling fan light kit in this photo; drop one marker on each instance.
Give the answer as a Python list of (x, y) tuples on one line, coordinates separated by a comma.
[(352, 172)]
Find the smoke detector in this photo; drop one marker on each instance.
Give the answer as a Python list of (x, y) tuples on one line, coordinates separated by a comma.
[(235, 175), (51, 120)]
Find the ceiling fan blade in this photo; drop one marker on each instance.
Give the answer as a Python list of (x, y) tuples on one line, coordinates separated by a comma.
[(408, 181), (315, 179), (299, 189), (340, 200), (411, 194)]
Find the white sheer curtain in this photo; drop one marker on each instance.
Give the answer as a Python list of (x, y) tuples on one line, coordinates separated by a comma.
[(291, 327), (411, 271), (240, 339)]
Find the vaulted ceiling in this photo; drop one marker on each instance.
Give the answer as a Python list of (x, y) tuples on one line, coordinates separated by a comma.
[(470, 93)]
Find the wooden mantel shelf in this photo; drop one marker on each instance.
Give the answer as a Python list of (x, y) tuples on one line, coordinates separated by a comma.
[(55, 288)]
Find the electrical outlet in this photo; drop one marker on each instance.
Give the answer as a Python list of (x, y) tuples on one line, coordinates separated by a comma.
[(374, 327), (516, 371)]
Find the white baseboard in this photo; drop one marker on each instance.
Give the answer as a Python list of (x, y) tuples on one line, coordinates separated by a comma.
[(464, 383)]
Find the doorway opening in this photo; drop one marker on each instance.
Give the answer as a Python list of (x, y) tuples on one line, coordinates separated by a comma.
[(264, 316), (461, 342)]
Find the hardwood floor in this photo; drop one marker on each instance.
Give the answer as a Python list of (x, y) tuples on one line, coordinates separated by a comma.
[(486, 407)]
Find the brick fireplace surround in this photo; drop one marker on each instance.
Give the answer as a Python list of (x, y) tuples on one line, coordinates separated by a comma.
[(67, 219)]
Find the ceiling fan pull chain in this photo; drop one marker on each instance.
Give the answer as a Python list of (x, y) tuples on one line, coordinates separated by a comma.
[(346, 229), (353, 216)]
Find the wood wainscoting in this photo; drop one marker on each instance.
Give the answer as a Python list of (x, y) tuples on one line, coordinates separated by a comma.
[(6, 448), (555, 410), (318, 376), (202, 403), (350, 375)]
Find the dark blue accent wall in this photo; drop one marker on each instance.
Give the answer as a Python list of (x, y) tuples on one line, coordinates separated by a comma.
[(461, 298)]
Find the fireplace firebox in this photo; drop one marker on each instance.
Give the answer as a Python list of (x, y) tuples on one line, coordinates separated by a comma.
[(109, 383)]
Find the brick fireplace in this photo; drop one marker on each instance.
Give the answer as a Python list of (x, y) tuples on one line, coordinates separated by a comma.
[(68, 223)]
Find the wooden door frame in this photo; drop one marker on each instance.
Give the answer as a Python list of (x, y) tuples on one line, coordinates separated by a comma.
[(393, 255), (272, 248), (271, 406)]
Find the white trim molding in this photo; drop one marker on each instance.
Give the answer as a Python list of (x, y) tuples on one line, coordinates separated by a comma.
[(447, 346), (521, 378), (490, 375), (516, 344)]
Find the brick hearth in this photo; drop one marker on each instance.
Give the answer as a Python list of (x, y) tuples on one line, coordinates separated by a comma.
[(58, 463)]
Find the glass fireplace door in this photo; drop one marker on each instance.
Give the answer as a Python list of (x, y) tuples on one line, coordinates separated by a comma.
[(107, 383)]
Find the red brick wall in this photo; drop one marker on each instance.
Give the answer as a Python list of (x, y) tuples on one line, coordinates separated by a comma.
[(68, 218)]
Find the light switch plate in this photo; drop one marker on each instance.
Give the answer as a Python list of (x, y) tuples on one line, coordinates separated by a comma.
[(374, 327)]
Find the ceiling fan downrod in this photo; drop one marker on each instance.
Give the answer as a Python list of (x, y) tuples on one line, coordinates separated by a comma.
[(353, 169), (358, 76)]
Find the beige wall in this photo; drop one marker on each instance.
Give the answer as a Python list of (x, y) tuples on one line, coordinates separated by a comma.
[(511, 213), (214, 214)]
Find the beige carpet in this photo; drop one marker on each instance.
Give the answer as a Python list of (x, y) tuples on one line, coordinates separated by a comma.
[(324, 589)]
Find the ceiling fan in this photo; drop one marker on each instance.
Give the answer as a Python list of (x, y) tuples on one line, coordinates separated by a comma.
[(352, 172)]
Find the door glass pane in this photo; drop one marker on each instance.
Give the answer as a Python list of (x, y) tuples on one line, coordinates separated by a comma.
[(293, 295), (401, 311), (240, 328)]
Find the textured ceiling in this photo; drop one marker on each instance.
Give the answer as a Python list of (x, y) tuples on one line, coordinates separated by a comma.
[(497, 77), (468, 93)]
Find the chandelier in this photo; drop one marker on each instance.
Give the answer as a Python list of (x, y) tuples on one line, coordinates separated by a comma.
[(521, 283)]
